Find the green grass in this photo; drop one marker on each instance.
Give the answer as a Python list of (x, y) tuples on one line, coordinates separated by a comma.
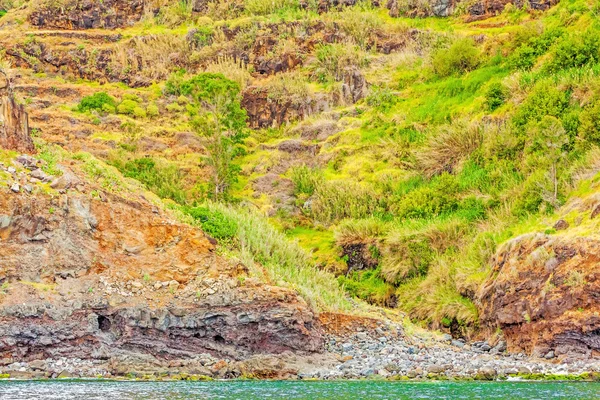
[(283, 261)]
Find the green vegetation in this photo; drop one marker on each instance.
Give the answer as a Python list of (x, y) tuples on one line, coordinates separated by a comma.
[(259, 244), (467, 134), (100, 101), (216, 115)]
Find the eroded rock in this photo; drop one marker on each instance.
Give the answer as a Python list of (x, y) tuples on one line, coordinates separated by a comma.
[(542, 294)]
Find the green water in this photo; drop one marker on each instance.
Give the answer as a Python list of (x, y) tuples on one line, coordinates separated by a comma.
[(107, 390)]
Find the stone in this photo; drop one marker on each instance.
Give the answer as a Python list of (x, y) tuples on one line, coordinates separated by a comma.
[(436, 369), (40, 175), (487, 373), (15, 188), (347, 347), (561, 224), (549, 355)]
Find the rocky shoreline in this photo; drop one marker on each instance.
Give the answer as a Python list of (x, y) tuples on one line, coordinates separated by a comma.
[(384, 353)]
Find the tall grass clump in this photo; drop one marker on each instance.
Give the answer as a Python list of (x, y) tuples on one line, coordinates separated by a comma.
[(233, 69), (266, 7), (306, 180), (462, 56), (331, 60), (284, 262), (336, 200), (449, 145)]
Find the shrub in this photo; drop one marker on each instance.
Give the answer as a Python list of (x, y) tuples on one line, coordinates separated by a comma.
[(127, 107), (161, 178), (139, 112), (435, 199), (288, 87), (532, 46), (351, 231), (152, 110), (405, 256), (214, 222), (382, 99), (461, 56), (268, 253), (201, 36), (544, 99), (100, 101), (109, 108), (589, 123), (360, 25), (174, 108), (575, 50), (495, 96), (369, 286), (236, 70)]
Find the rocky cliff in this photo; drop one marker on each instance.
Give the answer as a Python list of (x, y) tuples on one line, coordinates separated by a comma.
[(87, 14), (14, 121), (544, 295), (90, 275)]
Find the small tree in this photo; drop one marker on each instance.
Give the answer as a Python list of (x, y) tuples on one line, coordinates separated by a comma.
[(550, 140), (217, 116)]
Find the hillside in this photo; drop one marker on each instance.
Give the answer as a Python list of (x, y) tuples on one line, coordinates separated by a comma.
[(433, 161)]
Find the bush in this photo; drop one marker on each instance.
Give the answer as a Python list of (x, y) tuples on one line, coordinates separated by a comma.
[(127, 107), (531, 46), (575, 50), (139, 112), (174, 108), (462, 56), (100, 101), (265, 7), (589, 123), (495, 96), (544, 99), (152, 110), (438, 198), (165, 180), (268, 253), (214, 223), (369, 286)]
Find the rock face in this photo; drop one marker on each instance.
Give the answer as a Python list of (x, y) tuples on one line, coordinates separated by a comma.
[(111, 279), (544, 294), (479, 9), (265, 111), (14, 122), (88, 14)]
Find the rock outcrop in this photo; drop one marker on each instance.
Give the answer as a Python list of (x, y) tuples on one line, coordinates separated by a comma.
[(265, 111), (479, 9), (544, 293), (14, 121), (87, 14), (100, 277)]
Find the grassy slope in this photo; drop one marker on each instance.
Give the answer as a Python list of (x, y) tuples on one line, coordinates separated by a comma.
[(393, 145)]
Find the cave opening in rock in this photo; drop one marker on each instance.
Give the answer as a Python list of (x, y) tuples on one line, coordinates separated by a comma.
[(219, 339), (104, 323)]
